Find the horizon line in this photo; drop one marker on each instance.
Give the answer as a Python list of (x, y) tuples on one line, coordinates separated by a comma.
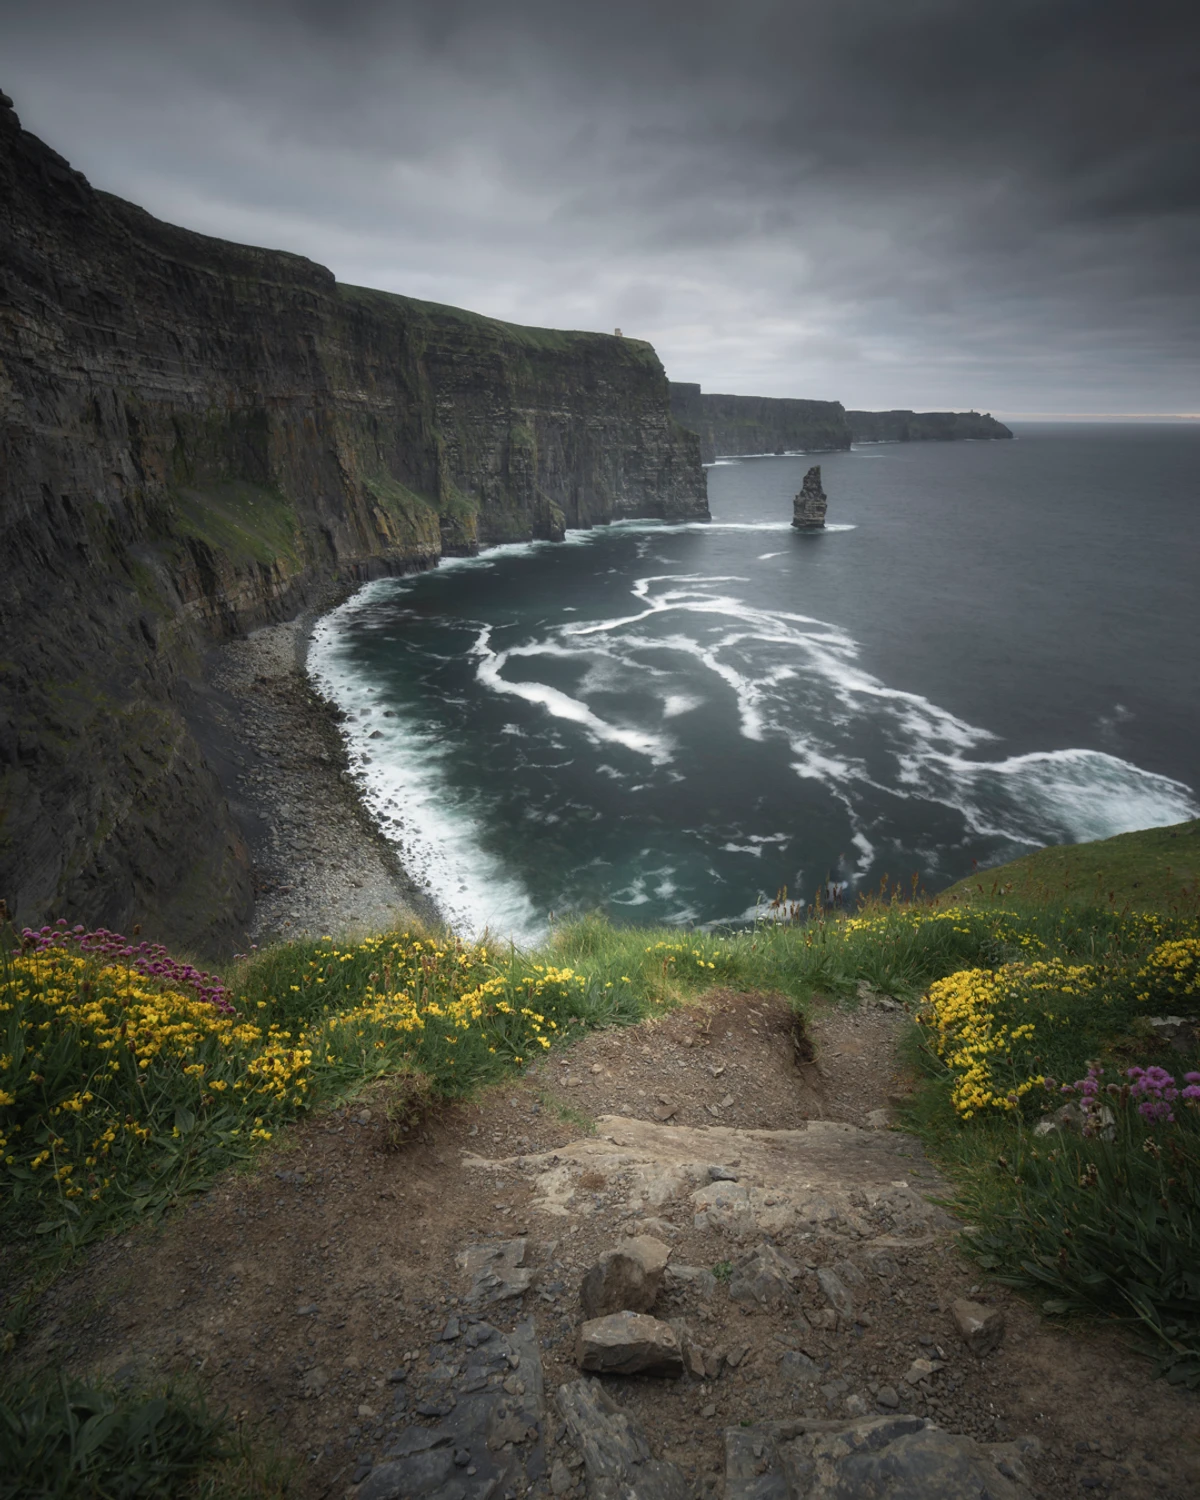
[(1099, 416)]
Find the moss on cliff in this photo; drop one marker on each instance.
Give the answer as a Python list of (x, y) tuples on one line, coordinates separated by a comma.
[(246, 521)]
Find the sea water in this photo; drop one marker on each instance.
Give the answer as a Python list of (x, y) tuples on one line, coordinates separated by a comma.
[(991, 647)]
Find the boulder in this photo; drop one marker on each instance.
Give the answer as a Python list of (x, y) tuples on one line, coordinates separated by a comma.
[(980, 1328), (627, 1279), (629, 1343)]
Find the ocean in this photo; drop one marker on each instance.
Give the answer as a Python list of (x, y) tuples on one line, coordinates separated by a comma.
[(991, 647)]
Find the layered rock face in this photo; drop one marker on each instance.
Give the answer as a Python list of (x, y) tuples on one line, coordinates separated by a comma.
[(758, 424), (197, 437), (920, 426), (810, 505)]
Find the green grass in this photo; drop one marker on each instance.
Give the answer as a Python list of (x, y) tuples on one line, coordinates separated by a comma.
[(64, 1440), (492, 331), (1156, 869)]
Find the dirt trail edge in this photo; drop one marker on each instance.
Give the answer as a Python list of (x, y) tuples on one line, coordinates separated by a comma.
[(409, 1322)]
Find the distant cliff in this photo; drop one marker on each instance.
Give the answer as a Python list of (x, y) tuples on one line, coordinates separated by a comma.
[(921, 426), (758, 424), (197, 437)]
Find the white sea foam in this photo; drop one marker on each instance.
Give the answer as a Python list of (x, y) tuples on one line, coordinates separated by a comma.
[(402, 785)]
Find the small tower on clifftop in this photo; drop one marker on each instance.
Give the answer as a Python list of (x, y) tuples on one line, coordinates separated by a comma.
[(809, 506)]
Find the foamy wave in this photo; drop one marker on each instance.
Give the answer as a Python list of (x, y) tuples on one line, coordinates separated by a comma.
[(400, 780)]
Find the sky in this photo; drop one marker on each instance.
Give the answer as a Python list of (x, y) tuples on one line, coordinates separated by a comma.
[(892, 203)]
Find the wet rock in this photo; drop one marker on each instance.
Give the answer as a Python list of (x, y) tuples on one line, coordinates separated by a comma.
[(765, 1278), (885, 1457), (980, 1328), (496, 1271), (616, 1456), (628, 1343), (627, 1279)]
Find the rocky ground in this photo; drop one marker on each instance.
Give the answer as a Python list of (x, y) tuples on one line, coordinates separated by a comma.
[(403, 1314), (320, 864)]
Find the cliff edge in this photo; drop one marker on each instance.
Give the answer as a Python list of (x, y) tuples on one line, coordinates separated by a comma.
[(923, 426), (198, 437), (758, 424)]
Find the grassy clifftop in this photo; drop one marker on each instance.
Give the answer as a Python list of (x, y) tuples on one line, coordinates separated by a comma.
[(1154, 868)]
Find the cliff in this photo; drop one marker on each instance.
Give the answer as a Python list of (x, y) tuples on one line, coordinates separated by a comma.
[(758, 424), (920, 426), (197, 437)]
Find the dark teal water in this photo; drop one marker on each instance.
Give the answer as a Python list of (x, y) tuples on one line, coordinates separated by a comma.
[(992, 647)]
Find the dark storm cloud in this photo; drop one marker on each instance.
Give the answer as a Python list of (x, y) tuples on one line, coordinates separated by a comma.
[(929, 203)]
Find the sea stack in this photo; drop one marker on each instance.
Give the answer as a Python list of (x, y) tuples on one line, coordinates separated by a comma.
[(808, 513)]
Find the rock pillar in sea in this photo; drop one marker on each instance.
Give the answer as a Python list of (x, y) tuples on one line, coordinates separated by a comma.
[(809, 507)]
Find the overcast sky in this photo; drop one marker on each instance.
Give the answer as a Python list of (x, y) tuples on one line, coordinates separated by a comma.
[(926, 203)]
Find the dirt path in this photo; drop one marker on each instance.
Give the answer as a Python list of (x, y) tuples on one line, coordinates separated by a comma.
[(313, 1297)]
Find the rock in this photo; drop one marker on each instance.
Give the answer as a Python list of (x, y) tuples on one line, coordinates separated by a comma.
[(1075, 1120), (560, 1478), (314, 1381), (627, 1279), (856, 1406), (765, 1278), (722, 1174), (809, 507), (496, 1271), (878, 1119), (825, 1318), (408, 1478), (616, 1456), (451, 1330), (836, 1293), (886, 1396), (664, 1112), (691, 1278), (494, 1435), (888, 1458), (921, 1369), (980, 1328), (628, 1343), (796, 1368)]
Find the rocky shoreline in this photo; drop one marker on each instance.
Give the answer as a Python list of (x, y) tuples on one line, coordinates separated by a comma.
[(320, 864)]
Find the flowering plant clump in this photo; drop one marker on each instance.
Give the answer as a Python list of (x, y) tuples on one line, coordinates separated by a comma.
[(149, 959), (990, 1027), (1155, 1090), (116, 1085), (1171, 976)]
